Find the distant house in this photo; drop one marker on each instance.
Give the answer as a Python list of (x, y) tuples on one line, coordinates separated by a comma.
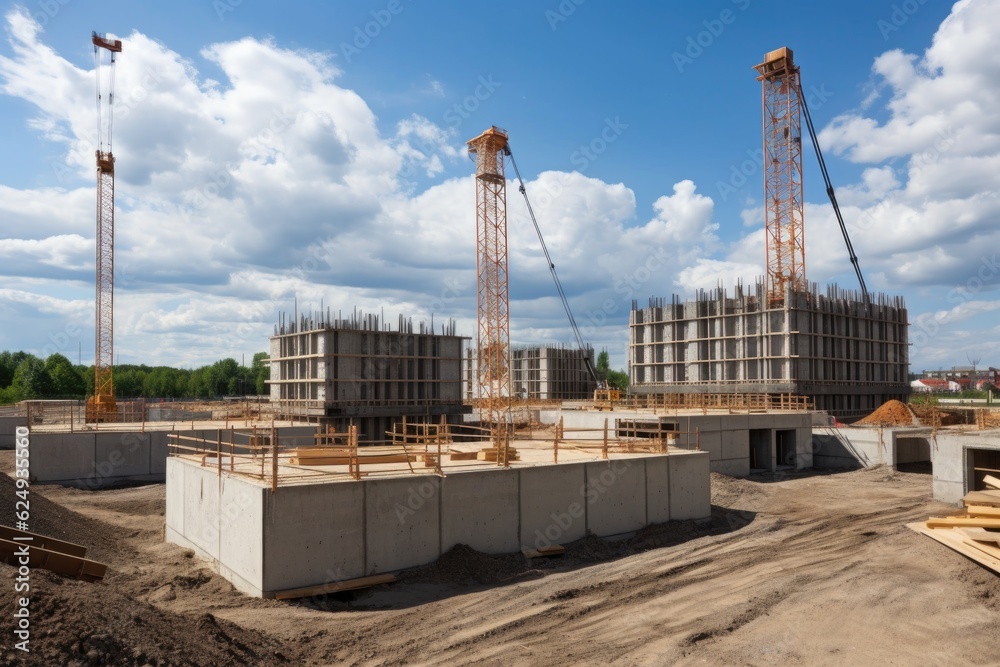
[(928, 385)]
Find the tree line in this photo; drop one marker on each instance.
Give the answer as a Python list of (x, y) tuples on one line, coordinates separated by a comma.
[(24, 376)]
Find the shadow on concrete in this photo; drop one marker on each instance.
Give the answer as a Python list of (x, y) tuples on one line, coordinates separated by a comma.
[(463, 570)]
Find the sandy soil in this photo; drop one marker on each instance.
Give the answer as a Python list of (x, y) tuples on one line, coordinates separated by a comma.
[(802, 569)]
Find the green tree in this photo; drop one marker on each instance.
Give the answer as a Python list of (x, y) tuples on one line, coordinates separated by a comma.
[(66, 380), (261, 372), (31, 379), (603, 365)]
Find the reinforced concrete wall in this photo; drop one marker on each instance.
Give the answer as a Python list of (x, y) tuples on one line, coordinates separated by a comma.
[(847, 355), (97, 459), (305, 535), (726, 438), (546, 372), (8, 425)]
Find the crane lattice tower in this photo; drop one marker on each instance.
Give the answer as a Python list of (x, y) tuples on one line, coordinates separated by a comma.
[(493, 365), (785, 233), (101, 406)]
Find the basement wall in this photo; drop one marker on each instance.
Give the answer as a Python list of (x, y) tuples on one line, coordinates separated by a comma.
[(305, 535)]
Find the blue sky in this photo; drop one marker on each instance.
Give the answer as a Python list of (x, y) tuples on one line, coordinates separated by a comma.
[(316, 151)]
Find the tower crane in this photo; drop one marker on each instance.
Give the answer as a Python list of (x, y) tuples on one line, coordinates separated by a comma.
[(101, 406), (784, 105)]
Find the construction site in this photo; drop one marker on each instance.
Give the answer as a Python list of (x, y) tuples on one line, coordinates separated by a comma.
[(415, 494)]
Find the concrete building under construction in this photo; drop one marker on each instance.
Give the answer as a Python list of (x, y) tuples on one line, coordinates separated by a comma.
[(545, 372), (336, 371), (848, 355)]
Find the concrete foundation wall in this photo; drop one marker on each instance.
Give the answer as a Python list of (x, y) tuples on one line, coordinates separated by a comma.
[(313, 534), (8, 426), (97, 459)]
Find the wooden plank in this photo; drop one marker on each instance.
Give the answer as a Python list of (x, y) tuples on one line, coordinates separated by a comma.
[(552, 550), (956, 541), (983, 510), (992, 482), (956, 521), (335, 587), (981, 535), (991, 498), (43, 541), (985, 547), (462, 456), (344, 460), (54, 561)]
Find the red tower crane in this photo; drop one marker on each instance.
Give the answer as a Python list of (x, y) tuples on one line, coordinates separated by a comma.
[(101, 406), (785, 233), (493, 366)]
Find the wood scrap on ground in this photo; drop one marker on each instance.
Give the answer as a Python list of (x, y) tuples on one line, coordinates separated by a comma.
[(975, 534), (552, 550), (992, 482)]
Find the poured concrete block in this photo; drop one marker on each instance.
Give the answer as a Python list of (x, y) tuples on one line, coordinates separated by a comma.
[(615, 501), (242, 541), (175, 495), (313, 534), (553, 505), (158, 453), (657, 490), (402, 522), (201, 510), (690, 491), (732, 467), (477, 510), (711, 442)]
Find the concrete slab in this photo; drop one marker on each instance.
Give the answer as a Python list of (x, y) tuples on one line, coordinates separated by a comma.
[(690, 492), (657, 490), (241, 535), (616, 502), (201, 510), (174, 516), (402, 522), (8, 427), (553, 505), (313, 535), (711, 442), (476, 509)]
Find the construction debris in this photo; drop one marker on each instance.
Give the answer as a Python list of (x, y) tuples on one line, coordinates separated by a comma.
[(48, 553), (976, 534)]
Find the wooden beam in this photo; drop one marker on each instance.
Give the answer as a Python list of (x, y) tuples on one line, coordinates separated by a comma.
[(54, 561), (955, 540), (981, 535), (991, 498), (992, 482), (552, 550), (43, 541), (456, 455), (963, 521), (983, 510), (345, 460), (335, 587)]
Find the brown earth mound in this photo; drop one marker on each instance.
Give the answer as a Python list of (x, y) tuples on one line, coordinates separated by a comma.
[(890, 413)]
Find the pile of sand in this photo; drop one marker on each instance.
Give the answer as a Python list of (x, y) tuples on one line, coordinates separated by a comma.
[(890, 413)]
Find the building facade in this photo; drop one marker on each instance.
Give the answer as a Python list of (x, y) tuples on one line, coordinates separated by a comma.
[(338, 371), (847, 355), (544, 372)]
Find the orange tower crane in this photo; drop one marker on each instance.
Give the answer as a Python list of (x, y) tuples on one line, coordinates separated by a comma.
[(101, 406), (785, 233), (493, 366)]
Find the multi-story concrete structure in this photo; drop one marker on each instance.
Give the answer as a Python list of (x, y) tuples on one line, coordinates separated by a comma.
[(336, 371), (549, 372), (848, 356)]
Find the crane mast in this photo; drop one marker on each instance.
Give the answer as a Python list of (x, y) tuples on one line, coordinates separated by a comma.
[(101, 406), (785, 232), (493, 341)]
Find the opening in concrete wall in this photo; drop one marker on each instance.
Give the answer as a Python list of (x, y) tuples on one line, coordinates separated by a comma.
[(785, 448), (760, 449), (982, 462), (913, 455)]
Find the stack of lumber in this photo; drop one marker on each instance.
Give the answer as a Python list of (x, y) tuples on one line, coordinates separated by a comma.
[(341, 456), (491, 454), (976, 533)]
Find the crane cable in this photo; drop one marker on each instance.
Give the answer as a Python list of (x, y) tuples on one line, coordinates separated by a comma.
[(552, 266), (833, 197), (111, 97)]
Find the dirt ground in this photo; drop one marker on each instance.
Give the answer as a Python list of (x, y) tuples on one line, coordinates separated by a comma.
[(802, 569)]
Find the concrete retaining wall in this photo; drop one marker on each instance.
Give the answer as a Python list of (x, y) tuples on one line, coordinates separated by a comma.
[(97, 459), (308, 535), (8, 425)]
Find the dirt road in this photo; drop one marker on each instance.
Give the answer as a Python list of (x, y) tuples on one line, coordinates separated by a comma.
[(807, 569)]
